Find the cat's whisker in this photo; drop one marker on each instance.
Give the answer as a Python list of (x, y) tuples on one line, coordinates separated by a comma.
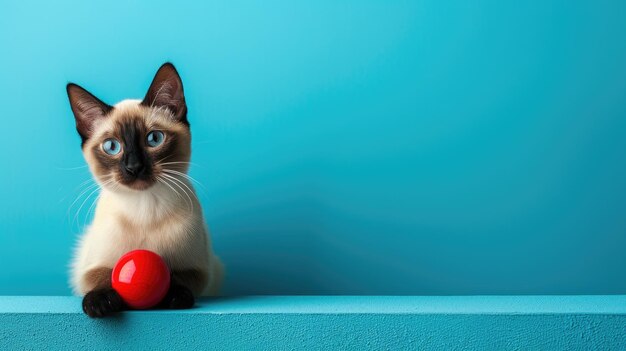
[(188, 193), (85, 182), (76, 189), (180, 165), (71, 168), (83, 192), (88, 182), (164, 181), (92, 207), (176, 182), (95, 201), (185, 184), (184, 175), (189, 199), (75, 219), (95, 190), (202, 188), (163, 159), (177, 162)]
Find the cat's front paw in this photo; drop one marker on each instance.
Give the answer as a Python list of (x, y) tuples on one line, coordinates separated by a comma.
[(102, 302), (178, 297)]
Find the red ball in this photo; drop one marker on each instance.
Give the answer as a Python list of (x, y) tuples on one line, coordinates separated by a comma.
[(142, 278)]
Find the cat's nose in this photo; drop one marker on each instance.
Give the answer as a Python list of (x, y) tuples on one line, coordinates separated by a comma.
[(134, 168)]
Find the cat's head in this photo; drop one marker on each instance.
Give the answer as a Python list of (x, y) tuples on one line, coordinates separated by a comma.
[(136, 143)]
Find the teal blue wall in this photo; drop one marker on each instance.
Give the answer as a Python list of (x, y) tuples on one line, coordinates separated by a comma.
[(346, 147)]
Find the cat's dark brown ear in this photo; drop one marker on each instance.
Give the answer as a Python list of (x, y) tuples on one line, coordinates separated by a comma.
[(87, 109), (166, 91)]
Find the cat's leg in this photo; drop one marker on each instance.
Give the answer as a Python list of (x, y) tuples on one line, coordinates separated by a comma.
[(101, 300), (186, 284)]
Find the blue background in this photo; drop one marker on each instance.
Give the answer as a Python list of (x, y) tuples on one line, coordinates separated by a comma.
[(353, 147)]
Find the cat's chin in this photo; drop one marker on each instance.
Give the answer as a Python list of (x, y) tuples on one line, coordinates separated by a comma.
[(139, 185)]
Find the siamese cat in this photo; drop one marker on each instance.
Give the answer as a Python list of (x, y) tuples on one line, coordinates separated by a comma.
[(138, 152)]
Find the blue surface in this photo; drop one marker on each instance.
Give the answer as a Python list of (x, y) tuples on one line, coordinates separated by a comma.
[(353, 147), (324, 322)]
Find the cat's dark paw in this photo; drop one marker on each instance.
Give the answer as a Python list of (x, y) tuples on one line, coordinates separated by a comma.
[(178, 297), (102, 302)]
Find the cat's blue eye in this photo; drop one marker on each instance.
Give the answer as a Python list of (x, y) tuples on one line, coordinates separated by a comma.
[(111, 146), (155, 138)]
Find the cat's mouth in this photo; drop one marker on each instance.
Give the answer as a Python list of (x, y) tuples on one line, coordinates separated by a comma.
[(138, 184)]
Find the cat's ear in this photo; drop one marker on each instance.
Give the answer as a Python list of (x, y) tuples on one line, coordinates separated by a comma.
[(87, 109), (166, 91)]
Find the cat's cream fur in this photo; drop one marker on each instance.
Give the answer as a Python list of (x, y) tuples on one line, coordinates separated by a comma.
[(165, 218)]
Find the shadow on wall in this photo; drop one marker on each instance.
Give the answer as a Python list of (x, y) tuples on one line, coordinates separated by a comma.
[(278, 235), (271, 249)]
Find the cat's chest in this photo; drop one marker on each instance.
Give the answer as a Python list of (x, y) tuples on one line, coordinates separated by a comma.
[(175, 233), (156, 233), (112, 236)]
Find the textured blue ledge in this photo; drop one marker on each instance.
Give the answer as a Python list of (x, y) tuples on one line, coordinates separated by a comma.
[(325, 322)]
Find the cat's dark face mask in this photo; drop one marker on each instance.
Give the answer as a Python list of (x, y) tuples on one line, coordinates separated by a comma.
[(135, 164), (137, 154)]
